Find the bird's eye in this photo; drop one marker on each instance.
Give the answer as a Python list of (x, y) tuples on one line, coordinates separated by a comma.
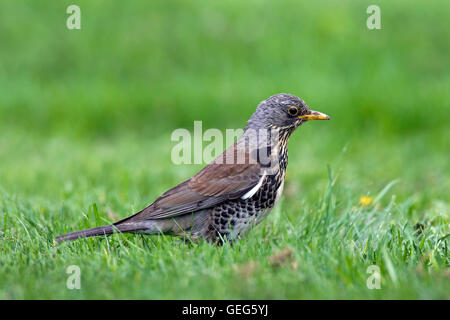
[(293, 111)]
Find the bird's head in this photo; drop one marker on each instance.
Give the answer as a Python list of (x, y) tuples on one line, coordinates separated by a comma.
[(283, 111)]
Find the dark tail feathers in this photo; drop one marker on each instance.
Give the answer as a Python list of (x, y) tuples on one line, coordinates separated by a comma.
[(100, 231)]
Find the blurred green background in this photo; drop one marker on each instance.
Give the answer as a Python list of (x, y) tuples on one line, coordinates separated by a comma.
[(86, 115)]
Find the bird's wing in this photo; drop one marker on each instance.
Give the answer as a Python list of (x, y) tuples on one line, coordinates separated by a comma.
[(217, 182)]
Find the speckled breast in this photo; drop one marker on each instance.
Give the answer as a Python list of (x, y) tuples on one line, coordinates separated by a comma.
[(235, 218)]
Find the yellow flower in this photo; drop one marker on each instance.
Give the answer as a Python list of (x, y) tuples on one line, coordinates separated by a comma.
[(365, 201)]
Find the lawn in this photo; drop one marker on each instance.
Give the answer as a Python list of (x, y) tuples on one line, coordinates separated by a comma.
[(86, 118)]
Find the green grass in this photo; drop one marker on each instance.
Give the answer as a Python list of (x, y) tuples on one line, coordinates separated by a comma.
[(85, 124)]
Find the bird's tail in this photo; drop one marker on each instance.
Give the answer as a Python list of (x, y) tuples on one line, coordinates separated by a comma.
[(103, 230)]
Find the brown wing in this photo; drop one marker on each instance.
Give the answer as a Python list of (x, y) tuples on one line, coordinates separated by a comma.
[(217, 182)]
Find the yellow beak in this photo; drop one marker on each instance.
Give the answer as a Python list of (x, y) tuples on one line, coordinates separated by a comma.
[(314, 115)]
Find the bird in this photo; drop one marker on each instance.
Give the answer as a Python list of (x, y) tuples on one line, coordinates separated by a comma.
[(234, 192)]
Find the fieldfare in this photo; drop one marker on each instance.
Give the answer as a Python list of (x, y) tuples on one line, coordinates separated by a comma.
[(233, 193)]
